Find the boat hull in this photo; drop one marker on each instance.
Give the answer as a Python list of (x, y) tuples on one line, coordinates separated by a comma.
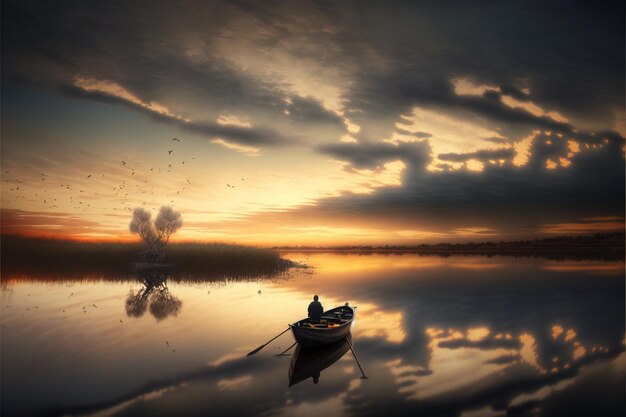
[(308, 337)]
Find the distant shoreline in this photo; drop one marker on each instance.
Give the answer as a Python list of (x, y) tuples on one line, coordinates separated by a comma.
[(602, 246)]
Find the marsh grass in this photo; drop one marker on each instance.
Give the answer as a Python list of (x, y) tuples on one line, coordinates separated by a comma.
[(57, 259)]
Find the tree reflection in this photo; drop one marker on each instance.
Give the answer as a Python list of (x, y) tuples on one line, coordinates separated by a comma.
[(155, 296)]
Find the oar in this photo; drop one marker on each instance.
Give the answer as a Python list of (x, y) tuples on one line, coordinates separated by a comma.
[(286, 350), (268, 342), (357, 359)]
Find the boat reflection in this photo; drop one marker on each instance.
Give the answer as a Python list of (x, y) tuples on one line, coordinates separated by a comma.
[(154, 295), (309, 363)]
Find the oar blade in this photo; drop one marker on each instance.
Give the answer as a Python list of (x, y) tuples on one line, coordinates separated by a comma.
[(267, 343), (255, 350)]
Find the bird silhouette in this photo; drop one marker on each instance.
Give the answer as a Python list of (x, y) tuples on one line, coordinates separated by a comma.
[(170, 151), (89, 176), (176, 139), (123, 162)]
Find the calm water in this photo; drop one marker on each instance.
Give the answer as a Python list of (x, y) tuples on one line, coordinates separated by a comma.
[(458, 336)]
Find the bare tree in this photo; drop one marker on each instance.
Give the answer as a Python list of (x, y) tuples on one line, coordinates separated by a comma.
[(166, 224), (157, 234), (141, 224)]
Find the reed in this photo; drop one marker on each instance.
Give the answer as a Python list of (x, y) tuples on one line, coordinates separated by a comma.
[(54, 258)]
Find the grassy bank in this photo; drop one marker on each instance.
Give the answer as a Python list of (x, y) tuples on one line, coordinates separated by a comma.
[(57, 259)]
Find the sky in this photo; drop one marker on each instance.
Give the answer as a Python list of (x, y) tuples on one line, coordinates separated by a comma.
[(314, 122)]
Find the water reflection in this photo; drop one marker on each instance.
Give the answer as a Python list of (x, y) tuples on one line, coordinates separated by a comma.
[(154, 294), (309, 363), (436, 338)]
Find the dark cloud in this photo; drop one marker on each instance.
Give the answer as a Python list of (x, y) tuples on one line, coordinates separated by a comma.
[(488, 343), (238, 134), (555, 53), (164, 55), (485, 155), (421, 135), (512, 200), (308, 110), (393, 56), (498, 140), (374, 155)]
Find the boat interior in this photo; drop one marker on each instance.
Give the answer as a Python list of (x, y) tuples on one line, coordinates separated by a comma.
[(331, 318)]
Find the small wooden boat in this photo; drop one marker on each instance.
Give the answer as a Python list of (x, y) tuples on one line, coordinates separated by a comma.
[(309, 363), (334, 325)]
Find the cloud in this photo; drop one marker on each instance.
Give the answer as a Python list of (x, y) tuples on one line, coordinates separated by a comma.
[(168, 68), (517, 201), (374, 155), (420, 135), (302, 73), (495, 154), (41, 223), (245, 57)]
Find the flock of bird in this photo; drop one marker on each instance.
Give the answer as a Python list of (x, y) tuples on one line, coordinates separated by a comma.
[(82, 198)]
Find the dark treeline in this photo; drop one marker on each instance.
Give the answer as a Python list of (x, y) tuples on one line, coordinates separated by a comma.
[(602, 246), (52, 259)]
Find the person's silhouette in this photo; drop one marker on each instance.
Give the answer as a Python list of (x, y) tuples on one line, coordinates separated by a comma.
[(315, 309)]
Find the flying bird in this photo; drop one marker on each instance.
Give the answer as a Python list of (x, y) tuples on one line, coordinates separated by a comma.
[(123, 162), (176, 139), (170, 151), (89, 176)]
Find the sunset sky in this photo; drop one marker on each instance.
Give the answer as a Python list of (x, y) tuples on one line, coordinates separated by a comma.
[(314, 122)]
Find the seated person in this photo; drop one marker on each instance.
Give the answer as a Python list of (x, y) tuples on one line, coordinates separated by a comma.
[(315, 309)]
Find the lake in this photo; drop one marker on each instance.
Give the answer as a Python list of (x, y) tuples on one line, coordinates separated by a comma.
[(437, 336)]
